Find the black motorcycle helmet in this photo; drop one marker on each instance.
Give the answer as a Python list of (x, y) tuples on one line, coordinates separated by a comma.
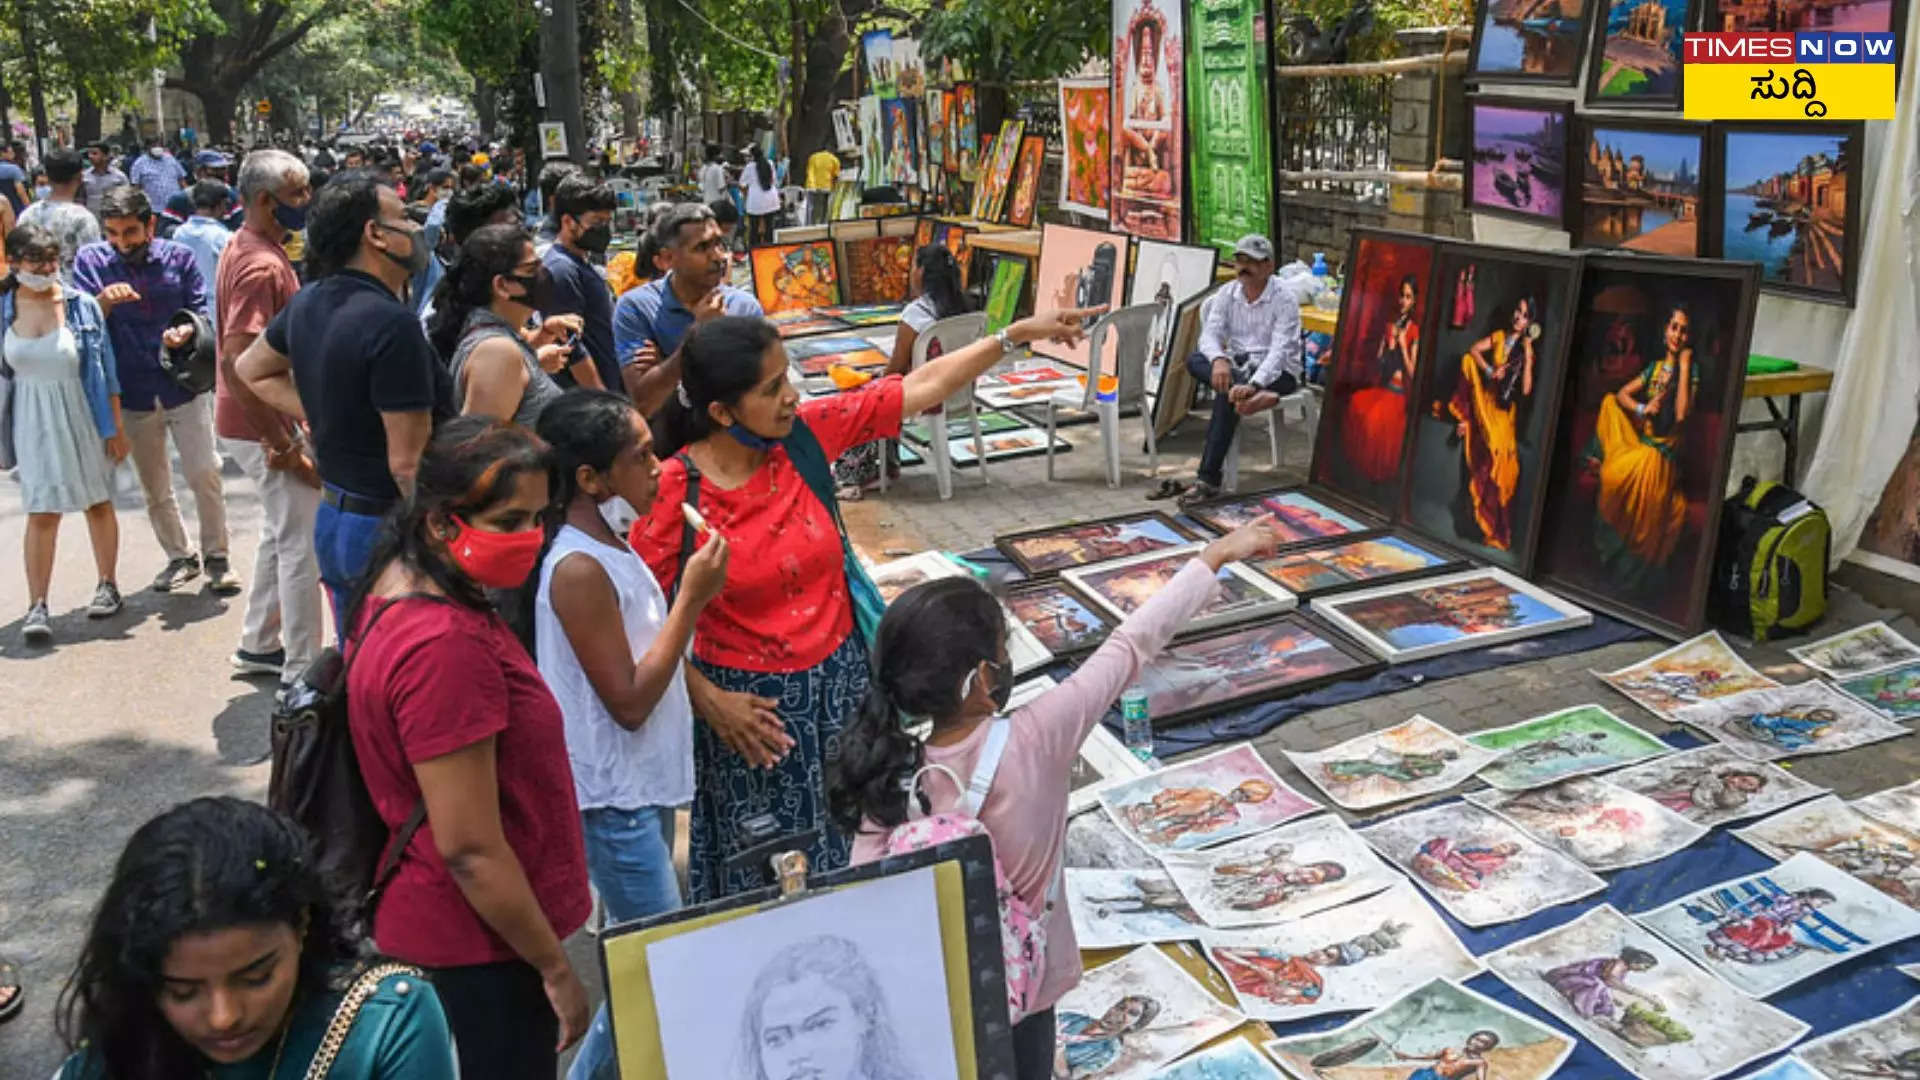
[(191, 365)]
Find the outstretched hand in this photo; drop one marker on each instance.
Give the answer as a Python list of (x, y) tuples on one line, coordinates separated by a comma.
[(1063, 325), (1256, 539)]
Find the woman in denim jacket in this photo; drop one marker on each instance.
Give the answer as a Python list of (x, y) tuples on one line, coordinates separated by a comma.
[(66, 418)]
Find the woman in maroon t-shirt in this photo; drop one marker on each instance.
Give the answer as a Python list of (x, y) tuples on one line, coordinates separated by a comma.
[(447, 708)]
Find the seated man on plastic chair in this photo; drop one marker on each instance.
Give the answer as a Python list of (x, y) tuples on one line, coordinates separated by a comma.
[(1250, 353)]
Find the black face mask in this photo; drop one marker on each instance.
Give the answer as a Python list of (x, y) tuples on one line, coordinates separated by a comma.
[(595, 239), (539, 289)]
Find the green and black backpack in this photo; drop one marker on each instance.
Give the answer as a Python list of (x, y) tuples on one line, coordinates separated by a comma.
[(1770, 570)]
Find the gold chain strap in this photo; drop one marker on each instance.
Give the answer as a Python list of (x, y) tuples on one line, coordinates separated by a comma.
[(349, 1010)]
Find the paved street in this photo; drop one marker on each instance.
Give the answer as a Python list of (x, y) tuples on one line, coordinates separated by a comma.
[(124, 717)]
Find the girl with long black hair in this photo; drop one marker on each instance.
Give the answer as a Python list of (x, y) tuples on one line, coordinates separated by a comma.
[(216, 953), (480, 313), (763, 197)]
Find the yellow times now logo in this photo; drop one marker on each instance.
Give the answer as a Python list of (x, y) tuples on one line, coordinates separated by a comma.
[(1789, 92)]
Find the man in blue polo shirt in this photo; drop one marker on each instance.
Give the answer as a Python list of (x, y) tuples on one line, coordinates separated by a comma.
[(583, 227), (650, 322)]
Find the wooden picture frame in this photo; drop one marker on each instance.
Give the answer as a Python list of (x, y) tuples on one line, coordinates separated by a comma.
[(1491, 36), (1642, 50), (1729, 150), (1629, 289), (1154, 531), (1232, 668), (1712, 18), (1289, 569), (1173, 389), (1500, 196), (999, 448), (1348, 611), (1603, 136), (1023, 198), (1296, 506), (1256, 595), (1031, 603)]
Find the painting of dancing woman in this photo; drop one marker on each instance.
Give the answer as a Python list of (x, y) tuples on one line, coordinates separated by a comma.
[(1377, 415)]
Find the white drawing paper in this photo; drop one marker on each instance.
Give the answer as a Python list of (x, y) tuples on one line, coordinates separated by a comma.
[(1701, 669), (1438, 1030), (1288, 873), (1405, 761), (1886, 1046), (1129, 1018), (1884, 856), (1115, 908), (1603, 826), (1806, 718), (1209, 800), (1236, 1060), (1859, 651), (1479, 866), (1896, 806), (1103, 758), (1712, 785)]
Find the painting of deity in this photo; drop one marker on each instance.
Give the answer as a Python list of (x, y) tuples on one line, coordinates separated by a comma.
[(1862, 650), (1642, 183), (789, 277), (1712, 785), (1287, 655), (1571, 742), (1432, 616), (1285, 874), (1405, 761), (1701, 669), (1479, 866), (1884, 856), (1210, 800), (1437, 1031), (1148, 132), (965, 132), (1085, 112), (1603, 826), (1517, 159), (1528, 41), (878, 269), (1351, 563), (1050, 550), (1300, 517), (1121, 587), (1895, 691), (1788, 721), (1641, 455), (1484, 411)]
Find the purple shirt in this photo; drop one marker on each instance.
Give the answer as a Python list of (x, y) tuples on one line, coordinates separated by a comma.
[(160, 177), (167, 280)]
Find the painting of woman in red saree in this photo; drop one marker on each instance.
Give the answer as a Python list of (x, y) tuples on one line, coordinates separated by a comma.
[(1377, 355)]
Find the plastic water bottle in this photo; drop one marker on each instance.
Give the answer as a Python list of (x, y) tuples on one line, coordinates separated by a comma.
[(1136, 723), (1320, 264)]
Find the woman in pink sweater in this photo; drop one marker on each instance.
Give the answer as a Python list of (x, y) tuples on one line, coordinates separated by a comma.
[(941, 654)]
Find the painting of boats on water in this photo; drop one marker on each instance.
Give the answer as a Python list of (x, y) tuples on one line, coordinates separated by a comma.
[(1531, 41), (1518, 166), (1642, 188), (1787, 202)]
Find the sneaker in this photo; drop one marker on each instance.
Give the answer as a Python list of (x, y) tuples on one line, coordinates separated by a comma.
[(177, 573), (38, 627), (259, 663), (106, 601), (220, 579)]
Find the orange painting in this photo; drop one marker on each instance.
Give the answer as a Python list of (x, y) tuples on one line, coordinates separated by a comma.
[(795, 277)]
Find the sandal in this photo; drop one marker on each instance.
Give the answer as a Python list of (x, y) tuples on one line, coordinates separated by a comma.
[(1199, 493), (1168, 489), (13, 993)]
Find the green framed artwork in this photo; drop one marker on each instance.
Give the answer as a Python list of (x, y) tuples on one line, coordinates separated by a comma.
[(1232, 163), (1003, 293)]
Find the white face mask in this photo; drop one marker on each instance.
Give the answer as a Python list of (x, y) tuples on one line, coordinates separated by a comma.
[(154, 151), (35, 282)]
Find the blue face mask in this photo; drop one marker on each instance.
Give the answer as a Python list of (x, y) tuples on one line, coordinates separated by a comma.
[(290, 218), (745, 437)]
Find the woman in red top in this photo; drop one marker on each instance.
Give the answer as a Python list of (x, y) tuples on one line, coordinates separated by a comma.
[(449, 712), (778, 667)]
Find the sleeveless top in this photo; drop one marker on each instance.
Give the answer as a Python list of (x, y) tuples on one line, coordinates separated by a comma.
[(541, 389)]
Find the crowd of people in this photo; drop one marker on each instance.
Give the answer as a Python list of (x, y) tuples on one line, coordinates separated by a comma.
[(519, 487)]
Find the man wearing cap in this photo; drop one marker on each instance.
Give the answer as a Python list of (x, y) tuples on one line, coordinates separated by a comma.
[(1250, 353)]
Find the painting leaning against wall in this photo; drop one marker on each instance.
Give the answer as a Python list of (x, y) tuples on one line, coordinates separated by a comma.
[(1232, 166)]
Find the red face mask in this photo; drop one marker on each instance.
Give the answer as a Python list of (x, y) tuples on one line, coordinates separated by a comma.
[(495, 560)]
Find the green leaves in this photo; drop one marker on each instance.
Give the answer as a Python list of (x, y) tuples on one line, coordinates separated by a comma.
[(1003, 41)]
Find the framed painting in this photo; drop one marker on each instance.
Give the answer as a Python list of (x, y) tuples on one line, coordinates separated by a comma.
[(1642, 186), (873, 148), (1232, 154), (1517, 158), (878, 47), (1018, 442), (1367, 559), (801, 323), (1148, 132), (1025, 197), (857, 229), (1788, 199), (990, 195), (935, 111), (1434, 616), (1869, 16), (991, 423), (877, 270), (1303, 517), (1247, 665), (1057, 614), (1377, 359), (863, 314), (899, 127), (1003, 291), (1486, 407), (1167, 275), (1120, 587), (898, 575), (1040, 552), (1173, 384), (789, 277), (1085, 165), (1078, 268), (1646, 436), (1636, 53), (965, 130), (955, 238), (1521, 41)]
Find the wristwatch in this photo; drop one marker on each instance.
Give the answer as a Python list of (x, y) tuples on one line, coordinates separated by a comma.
[(1006, 341)]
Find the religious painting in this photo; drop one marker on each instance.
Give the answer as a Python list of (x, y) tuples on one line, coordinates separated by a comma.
[(899, 126), (1377, 355), (1571, 742), (1701, 669), (1235, 1060), (1223, 796), (1130, 1018), (1360, 956), (1085, 111), (1788, 721), (1862, 650), (965, 132), (1437, 1030), (1789, 199), (1004, 446), (1432, 616), (1299, 517), (794, 277), (1079, 268), (1003, 291), (1895, 691), (1349, 564), (1484, 411), (1477, 865), (1645, 437), (1026, 181), (1642, 1002), (1528, 41), (1406, 761), (1167, 275), (1113, 909), (899, 575), (878, 47), (1048, 551), (1060, 617), (1636, 53), (1643, 182), (996, 172), (1885, 1046), (936, 114), (877, 270), (1601, 826), (1764, 932), (1148, 130), (1246, 665), (1896, 806), (1121, 587), (1517, 158), (1228, 96), (1880, 854), (1285, 874), (1712, 785)]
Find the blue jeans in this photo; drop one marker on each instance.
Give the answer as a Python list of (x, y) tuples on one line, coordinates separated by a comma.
[(1226, 419), (630, 861), (342, 543)]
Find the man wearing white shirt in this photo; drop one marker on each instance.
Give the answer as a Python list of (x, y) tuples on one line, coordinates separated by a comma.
[(1250, 353), (713, 177)]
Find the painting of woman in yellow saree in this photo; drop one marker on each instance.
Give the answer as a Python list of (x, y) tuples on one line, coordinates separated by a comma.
[(1635, 451), (1496, 378)]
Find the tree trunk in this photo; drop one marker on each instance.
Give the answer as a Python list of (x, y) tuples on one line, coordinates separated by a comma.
[(486, 106), (36, 86), (811, 126), (86, 117), (218, 99), (629, 95), (560, 64)]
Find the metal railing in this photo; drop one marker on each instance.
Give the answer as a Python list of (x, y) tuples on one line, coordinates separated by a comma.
[(1341, 124)]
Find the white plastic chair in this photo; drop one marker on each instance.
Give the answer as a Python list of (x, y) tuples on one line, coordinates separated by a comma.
[(951, 334), (1134, 325), (1307, 400)]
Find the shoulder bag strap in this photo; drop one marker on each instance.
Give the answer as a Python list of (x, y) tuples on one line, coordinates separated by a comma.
[(988, 764), (349, 1011), (687, 536)]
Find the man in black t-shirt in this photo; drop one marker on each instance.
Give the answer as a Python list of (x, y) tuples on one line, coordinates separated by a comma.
[(350, 359), (583, 227)]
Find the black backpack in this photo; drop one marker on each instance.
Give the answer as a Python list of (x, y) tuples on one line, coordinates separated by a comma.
[(1770, 568), (316, 781)]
